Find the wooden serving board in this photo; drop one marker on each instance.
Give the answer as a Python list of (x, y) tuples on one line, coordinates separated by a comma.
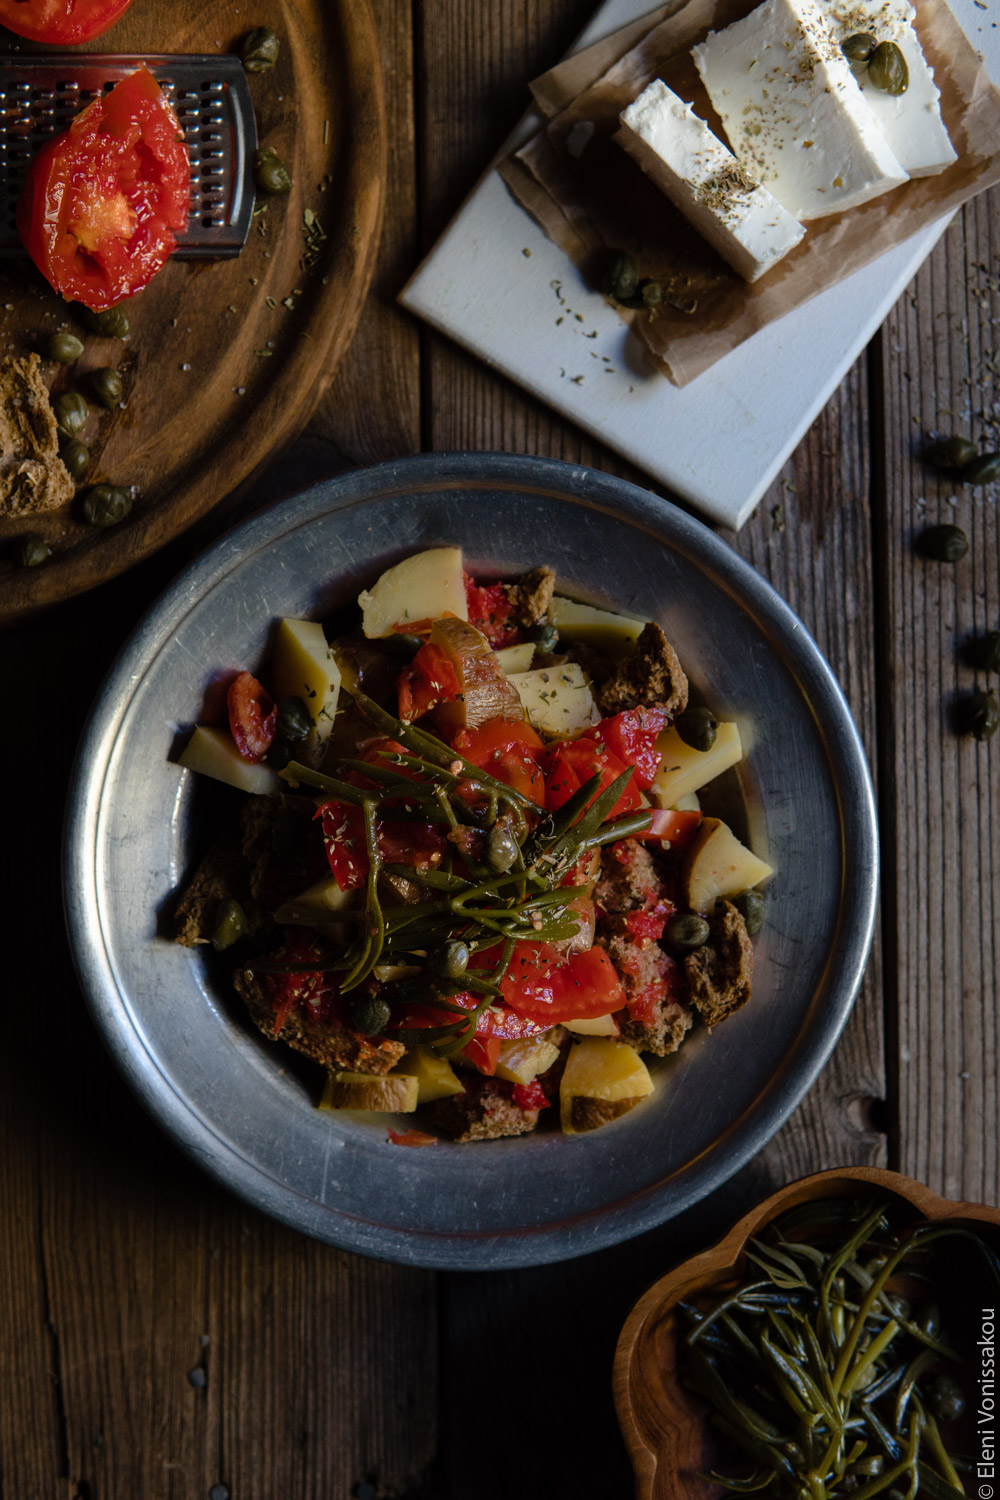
[(225, 359)]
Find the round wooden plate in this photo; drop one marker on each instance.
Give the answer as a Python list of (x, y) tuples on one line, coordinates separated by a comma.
[(225, 359), (668, 1440)]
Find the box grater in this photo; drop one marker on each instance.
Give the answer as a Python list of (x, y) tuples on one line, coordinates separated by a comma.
[(40, 95)]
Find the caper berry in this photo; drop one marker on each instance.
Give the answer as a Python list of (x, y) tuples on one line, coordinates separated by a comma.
[(230, 925), (943, 543), (370, 1015), (697, 728), (650, 293), (621, 277), (32, 551), (979, 715), (106, 504), (984, 651), (71, 411), (751, 906), (502, 849), (260, 50), (112, 323), (451, 960), (64, 348), (887, 69), (75, 455), (401, 647), (981, 470), (294, 721), (545, 636), (859, 48), (686, 931), (952, 453), (107, 387), (270, 173), (946, 1398)]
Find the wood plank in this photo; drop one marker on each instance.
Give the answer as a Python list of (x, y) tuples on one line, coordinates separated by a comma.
[(940, 377)]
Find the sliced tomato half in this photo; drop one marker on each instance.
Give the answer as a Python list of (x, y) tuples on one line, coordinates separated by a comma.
[(64, 23), (509, 750)]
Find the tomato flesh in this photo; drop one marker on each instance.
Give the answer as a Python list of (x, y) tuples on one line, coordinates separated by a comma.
[(429, 679), (543, 985), (509, 750), (62, 22), (253, 717), (103, 202), (490, 611), (631, 736), (569, 765), (416, 844)]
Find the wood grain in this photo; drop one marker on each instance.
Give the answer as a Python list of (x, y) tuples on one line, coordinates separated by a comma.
[(225, 359)]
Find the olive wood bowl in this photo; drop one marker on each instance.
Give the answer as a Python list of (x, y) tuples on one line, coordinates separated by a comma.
[(669, 1442)]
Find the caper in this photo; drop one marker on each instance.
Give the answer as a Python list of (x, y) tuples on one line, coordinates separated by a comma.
[(230, 925), (401, 647), (106, 504), (107, 387), (946, 1398), (697, 728), (952, 453), (979, 715), (370, 1015), (929, 1321), (502, 849), (859, 47), (984, 651), (887, 69), (872, 1464), (64, 348), (621, 277), (270, 173), (751, 906), (75, 455), (71, 412), (294, 721), (649, 293), (686, 931), (545, 636), (32, 551), (945, 543), (260, 50), (451, 960), (981, 470), (112, 323)]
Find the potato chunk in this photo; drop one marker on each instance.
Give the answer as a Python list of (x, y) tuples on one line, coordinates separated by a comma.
[(610, 633), (396, 1093), (557, 700), (602, 1080), (718, 865), (524, 1058), (423, 587), (213, 752), (436, 1078), (304, 667), (683, 770)]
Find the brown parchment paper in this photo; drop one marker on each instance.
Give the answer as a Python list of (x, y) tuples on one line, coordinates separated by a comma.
[(589, 196)]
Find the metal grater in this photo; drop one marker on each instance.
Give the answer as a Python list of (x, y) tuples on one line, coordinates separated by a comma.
[(40, 95)]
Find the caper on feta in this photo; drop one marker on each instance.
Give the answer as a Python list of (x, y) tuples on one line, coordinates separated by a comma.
[(859, 47), (294, 721), (887, 69)]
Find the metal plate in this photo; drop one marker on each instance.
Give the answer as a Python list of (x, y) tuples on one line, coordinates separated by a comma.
[(39, 96), (238, 1104)]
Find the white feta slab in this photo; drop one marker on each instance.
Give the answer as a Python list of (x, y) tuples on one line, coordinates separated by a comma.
[(911, 122), (737, 215), (794, 113)]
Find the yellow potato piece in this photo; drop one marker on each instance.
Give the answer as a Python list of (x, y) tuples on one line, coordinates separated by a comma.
[(426, 586), (304, 667), (524, 1058), (683, 770), (212, 752), (611, 633), (594, 1026), (557, 700), (718, 865), (396, 1093), (602, 1080), (436, 1078)]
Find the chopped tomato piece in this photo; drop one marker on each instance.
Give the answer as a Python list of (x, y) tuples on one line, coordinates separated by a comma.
[(529, 1095), (415, 844), (490, 611), (647, 923), (631, 736), (289, 991), (571, 763), (103, 201), (509, 750), (253, 717), (429, 679), (410, 1137), (545, 986), (676, 828), (63, 23), (484, 1053)]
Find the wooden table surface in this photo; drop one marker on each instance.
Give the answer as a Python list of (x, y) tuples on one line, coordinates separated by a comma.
[(159, 1339)]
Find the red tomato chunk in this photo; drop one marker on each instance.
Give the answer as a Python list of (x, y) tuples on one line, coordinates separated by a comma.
[(508, 750), (64, 23), (253, 717), (103, 201), (429, 679)]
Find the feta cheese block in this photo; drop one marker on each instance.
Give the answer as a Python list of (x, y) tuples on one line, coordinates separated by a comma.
[(911, 122), (793, 111), (741, 220)]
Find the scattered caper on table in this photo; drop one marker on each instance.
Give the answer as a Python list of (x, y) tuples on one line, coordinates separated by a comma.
[(64, 348), (951, 453), (979, 715), (697, 728), (112, 323), (270, 173), (621, 277), (71, 411), (984, 651), (106, 504), (32, 551), (983, 469), (107, 387), (75, 456), (260, 50), (944, 543)]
